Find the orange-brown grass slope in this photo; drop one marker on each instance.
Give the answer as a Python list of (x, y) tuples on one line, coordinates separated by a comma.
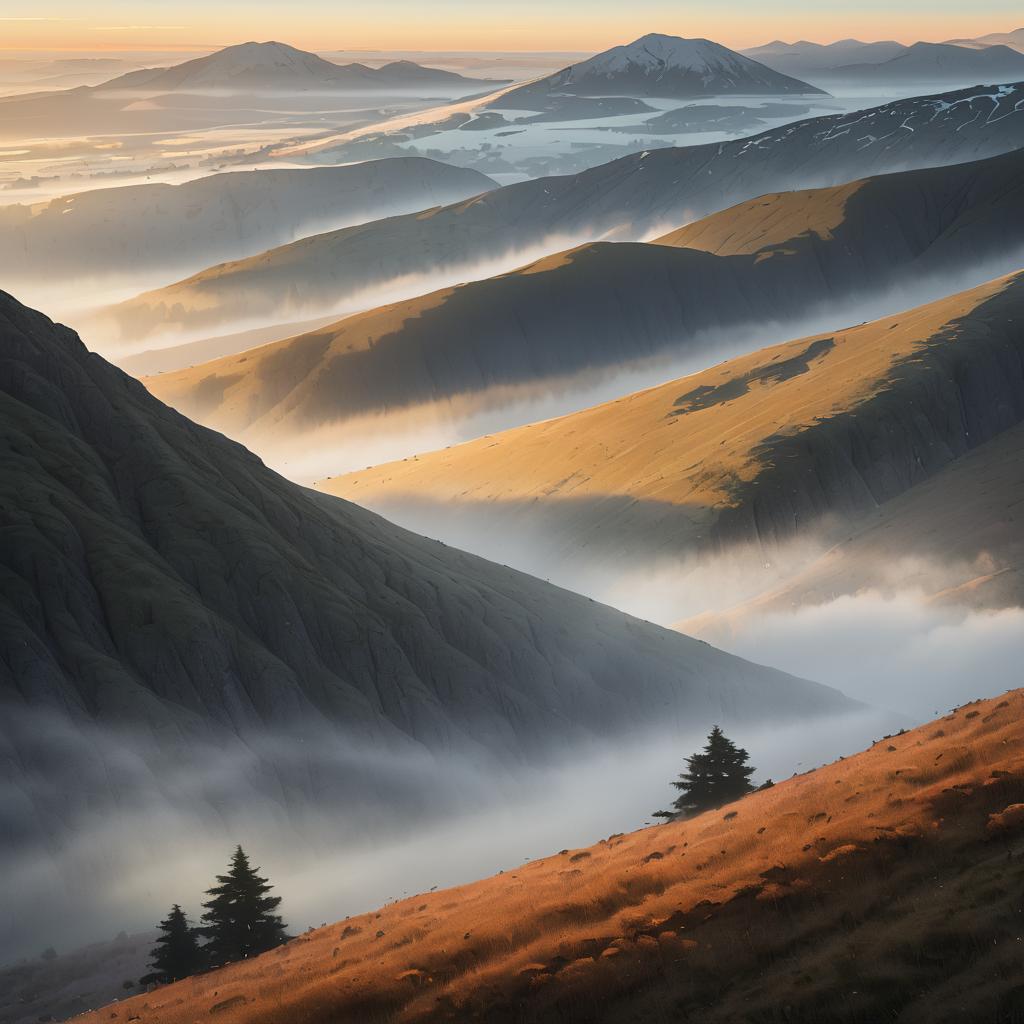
[(887, 886)]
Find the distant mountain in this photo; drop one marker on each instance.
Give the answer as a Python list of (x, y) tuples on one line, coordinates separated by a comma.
[(219, 217), (659, 65), (805, 57), (1014, 39), (273, 65), (805, 442), (628, 198), (189, 641), (940, 62)]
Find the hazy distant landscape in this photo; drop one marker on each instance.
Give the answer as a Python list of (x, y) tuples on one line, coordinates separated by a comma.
[(429, 438)]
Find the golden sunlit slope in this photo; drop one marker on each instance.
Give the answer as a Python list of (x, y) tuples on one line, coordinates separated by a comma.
[(599, 306), (885, 886), (758, 448)]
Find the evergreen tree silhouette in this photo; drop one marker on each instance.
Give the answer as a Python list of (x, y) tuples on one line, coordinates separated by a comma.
[(240, 919), (716, 776), (177, 953)]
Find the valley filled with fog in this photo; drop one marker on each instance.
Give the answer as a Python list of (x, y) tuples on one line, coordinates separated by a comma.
[(409, 455)]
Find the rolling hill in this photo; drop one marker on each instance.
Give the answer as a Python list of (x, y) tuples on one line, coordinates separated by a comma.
[(136, 228), (659, 65), (850, 438), (630, 198), (189, 645), (602, 307), (881, 886)]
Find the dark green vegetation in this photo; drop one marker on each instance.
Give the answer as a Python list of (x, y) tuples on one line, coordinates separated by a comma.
[(716, 776), (239, 918)]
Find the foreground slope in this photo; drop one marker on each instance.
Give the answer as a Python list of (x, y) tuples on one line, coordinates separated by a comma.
[(157, 578), (628, 198), (222, 216), (760, 450), (600, 307), (882, 886)]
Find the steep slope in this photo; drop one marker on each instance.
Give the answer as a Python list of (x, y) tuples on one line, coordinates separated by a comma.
[(603, 306), (932, 63), (660, 65), (628, 198), (760, 451), (188, 641), (883, 886), (221, 216), (274, 65)]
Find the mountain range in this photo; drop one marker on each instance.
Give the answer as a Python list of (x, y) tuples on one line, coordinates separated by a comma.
[(629, 198), (934, 63), (599, 308), (274, 65)]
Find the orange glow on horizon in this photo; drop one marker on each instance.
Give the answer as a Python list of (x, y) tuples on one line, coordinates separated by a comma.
[(483, 31)]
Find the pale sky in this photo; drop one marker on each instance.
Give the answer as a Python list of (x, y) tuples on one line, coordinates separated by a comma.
[(584, 25)]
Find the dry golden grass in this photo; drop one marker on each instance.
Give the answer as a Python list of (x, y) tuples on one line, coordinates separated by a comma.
[(651, 446), (766, 223), (884, 886)]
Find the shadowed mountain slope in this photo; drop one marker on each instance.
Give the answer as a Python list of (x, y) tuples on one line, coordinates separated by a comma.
[(760, 450), (600, 306), (628, 199), (883, 886), (222, 216), (156, 575)]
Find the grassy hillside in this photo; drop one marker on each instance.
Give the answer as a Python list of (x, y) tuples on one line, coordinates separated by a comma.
[(883, 886)]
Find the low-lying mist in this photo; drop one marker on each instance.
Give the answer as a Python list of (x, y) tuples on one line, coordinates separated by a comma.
[(351, 443), (405, 824)]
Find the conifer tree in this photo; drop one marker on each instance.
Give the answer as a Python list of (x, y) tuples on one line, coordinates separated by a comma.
[(716, 776), (177, 953), (240, 919)]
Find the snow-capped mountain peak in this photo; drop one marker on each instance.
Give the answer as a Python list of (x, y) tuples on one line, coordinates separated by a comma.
[(668, 66)]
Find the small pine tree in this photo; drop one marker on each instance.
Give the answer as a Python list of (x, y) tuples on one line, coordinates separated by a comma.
[(239, 914), (176, 953), (716, 776)]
